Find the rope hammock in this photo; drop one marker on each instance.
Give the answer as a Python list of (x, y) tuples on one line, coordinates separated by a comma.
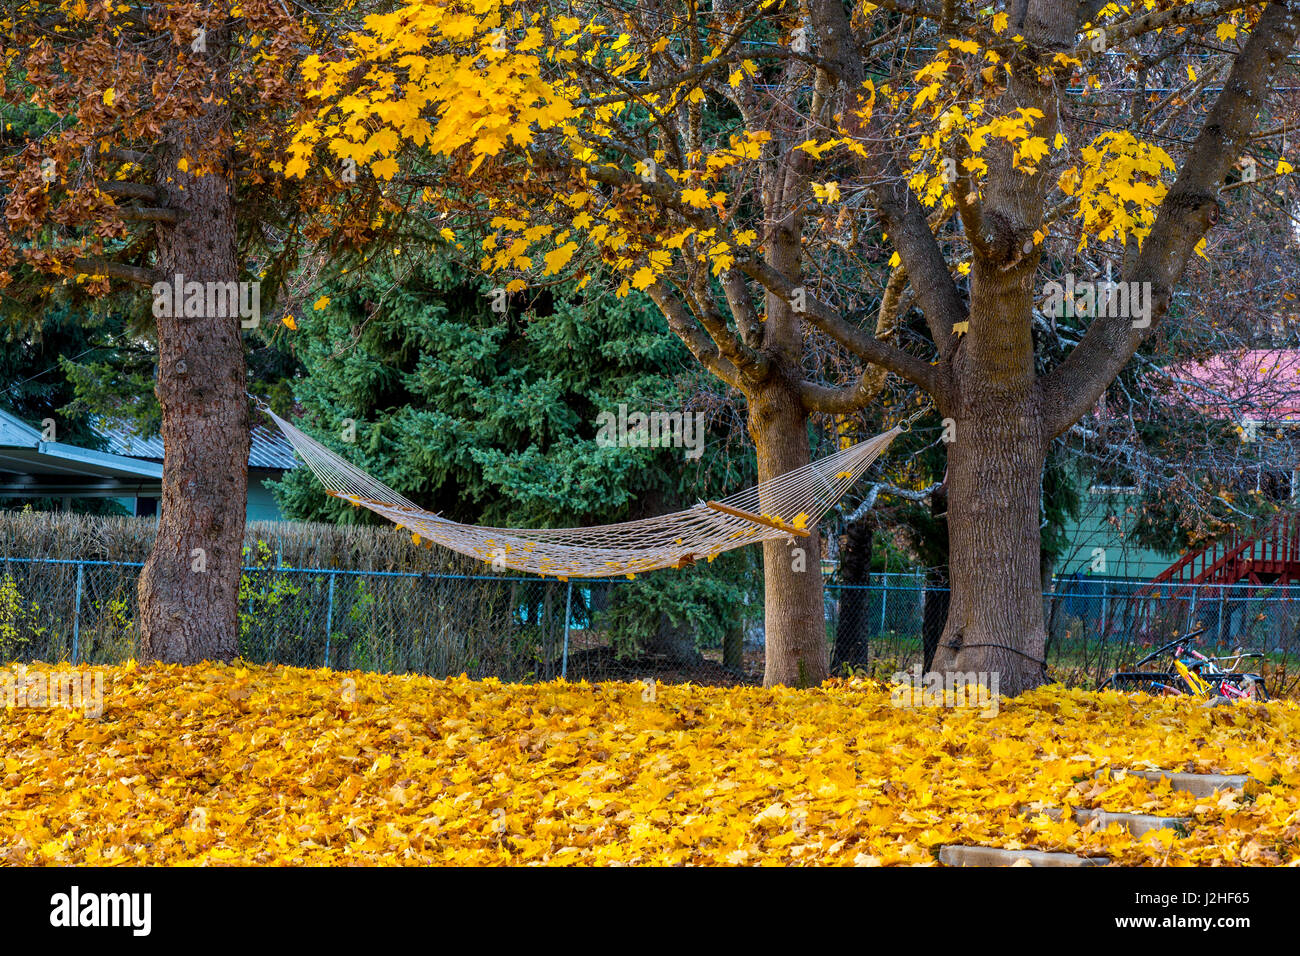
[(782, 508)]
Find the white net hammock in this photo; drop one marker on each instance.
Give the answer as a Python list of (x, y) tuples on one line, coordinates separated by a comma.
[(785, 507)]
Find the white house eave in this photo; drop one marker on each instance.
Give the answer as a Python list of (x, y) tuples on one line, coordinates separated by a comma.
[(116, 463)]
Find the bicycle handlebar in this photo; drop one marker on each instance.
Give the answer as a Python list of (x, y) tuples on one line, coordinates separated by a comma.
[(1174, 643)]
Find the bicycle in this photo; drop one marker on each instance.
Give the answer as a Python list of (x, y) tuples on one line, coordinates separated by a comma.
[(1193, 673)]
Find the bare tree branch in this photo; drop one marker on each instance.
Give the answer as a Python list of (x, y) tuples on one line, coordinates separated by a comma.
[(858, 342), (900, 211), (1187, 211), (685, 328)]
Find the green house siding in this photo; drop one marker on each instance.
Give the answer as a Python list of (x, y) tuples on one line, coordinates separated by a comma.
[(129, 472), (1094, 530), (261, 503)]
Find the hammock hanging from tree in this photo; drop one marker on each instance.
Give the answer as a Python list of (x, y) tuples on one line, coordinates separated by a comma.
[(784, 507)]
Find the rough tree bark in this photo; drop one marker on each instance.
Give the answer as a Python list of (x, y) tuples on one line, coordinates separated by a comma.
[(794, 636), (938, 586), (852, 646), (995, 618), (189, 586)]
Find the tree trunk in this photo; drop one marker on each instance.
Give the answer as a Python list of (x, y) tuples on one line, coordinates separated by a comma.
[(852, 647), (995, 621), (733, 648), (794, 625), (937, 587), (190, 584), (675, 643), (1047, 565)]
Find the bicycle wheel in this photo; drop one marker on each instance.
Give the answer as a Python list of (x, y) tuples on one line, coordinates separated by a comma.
[(1146, 682)]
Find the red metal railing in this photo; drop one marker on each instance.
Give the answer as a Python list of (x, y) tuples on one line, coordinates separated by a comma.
[(1264, 551), (1272, 549)]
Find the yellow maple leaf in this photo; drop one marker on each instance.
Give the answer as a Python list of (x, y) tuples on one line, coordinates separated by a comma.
[(696, 197), (558, 258), (826, 192)]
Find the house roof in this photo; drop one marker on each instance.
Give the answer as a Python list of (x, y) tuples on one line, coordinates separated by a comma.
[(1260, 384), (15, 431), (30, 467), (268, 449), (131, 467)]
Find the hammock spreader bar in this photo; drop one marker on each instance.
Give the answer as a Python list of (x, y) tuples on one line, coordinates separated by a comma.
[(757, 519)]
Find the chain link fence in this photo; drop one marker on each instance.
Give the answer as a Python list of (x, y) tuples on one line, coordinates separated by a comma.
[(511, 627), (527, 628), (1094, 626)]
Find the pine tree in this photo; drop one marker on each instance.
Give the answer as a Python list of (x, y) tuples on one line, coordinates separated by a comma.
[(490, 417)]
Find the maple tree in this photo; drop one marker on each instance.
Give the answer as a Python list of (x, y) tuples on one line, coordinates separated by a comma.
[(146, 158), (779, 174)]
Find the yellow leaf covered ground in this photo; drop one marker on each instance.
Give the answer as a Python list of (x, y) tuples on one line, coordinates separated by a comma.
[(255, 765)]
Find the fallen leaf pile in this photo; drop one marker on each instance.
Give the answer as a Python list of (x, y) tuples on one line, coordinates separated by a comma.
[(275, 765)]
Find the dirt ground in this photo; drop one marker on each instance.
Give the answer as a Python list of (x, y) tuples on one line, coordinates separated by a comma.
[(597, 664)]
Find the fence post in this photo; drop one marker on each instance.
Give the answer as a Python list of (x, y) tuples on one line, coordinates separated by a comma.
[(1105, 607), (884, 600), (564, 654), (76, 617), (329, 621), (1223, 610)]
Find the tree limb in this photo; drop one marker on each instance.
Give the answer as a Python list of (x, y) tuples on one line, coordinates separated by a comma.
[(1187, 211), (1196, 12), (865, 346), (147, 214), (852, 398), (129, 191), (118, 270), (700, 345), (901, 213)]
